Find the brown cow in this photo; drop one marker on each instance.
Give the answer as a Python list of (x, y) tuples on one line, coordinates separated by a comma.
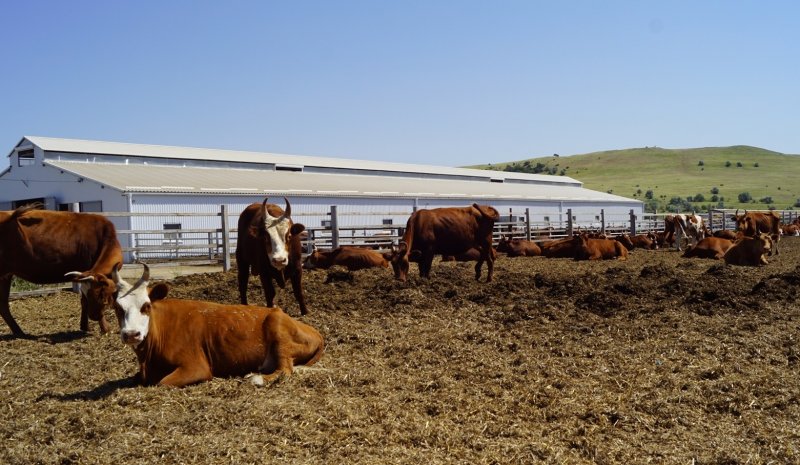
[(749, 251), (471, 255), (516, 247), (790, 230), (446, 231), (709, 247), (725, 234), (45, 247), (180, 342), (642, 241), (352, 258), (558, 248), (270, 247), (598, 249), (751, 224)]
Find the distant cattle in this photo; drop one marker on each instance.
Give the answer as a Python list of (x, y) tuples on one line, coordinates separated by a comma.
[(678, 226), (352, 258), (587, 248), (181, 342), (516, 247), (558, 248), (471, 255), (646, 241), (269, 246), (754, 223), (725, 234), (749, 251), (446, 231), (790, 230), (46, 247), (709, 247)]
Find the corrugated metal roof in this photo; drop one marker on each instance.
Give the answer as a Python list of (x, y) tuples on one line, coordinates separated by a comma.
[(168, 179), (52, 144)]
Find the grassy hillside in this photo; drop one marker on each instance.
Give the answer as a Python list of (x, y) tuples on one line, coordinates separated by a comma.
[(673, 174)]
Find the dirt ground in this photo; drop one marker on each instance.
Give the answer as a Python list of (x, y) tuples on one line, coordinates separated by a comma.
[(657, 359)]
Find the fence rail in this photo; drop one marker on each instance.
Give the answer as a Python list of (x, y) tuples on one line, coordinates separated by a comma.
[(218, 244)]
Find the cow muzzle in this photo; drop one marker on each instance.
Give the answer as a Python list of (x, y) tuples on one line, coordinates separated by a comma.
[(131, 337), (280, 262)]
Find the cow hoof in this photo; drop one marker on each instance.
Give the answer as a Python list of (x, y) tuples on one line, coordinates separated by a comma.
[(256, 380)]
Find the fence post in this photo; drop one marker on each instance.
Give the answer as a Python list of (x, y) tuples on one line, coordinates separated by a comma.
[(527, 224), (569, 222), (226, 239), (602, 221), (724, 226), (334, 227), (633, 223)]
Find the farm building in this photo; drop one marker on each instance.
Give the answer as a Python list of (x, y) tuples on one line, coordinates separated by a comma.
[(142, 180)]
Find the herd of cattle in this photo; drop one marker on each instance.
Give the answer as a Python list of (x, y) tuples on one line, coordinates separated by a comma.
[(235, 340)]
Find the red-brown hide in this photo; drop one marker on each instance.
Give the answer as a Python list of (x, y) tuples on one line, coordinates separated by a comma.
[(352, 258), (42, 246), (709, 247)]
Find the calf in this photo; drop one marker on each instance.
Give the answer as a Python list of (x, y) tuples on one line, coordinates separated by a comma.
[(749, 251), (471, 255), (182, 342), (725, 234), (352, 258), (598, 249), (516, 247), (709, 247)]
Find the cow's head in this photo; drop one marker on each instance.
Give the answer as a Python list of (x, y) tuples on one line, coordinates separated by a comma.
[(133, 305), (97, 291), (399, 260), (276, 231), (504, 244), (313, 259)]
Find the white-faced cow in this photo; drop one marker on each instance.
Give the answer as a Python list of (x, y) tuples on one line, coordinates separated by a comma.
[(752, 224), (446, 231), (46, 247), (678, 226), (269, 246), (181, 342)]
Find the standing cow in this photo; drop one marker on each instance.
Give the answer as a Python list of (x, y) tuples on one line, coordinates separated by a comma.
[(678, 226), (446, 231), (751, 224), (45, 247), (180, 342), (269, 246)]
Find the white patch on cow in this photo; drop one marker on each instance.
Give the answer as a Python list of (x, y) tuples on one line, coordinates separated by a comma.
[(134, 324), (277, 230), (255, 379)]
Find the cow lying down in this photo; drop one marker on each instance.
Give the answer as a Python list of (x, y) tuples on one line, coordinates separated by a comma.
[(180, 342)]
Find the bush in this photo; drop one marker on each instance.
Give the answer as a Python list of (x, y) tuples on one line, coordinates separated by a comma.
[(745, 197), (715, 190), (766, 199), (715, 198), (739, 164), (727, 164), (755, 165), (649, 194), (701, 163), (797, 203), (699, 198)]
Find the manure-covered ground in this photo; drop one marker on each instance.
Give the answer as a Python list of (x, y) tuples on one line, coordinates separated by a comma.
[(657, 359)]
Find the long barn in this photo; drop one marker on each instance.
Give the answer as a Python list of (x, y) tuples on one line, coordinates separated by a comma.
[(96, 176)]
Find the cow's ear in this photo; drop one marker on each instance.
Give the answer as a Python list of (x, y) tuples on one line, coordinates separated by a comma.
[(297, 228), (253, 230), (158, 292)]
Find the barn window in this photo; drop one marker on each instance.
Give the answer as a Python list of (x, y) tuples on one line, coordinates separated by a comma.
[(597, 217), (93, 206), (326, 223), (387, 221), (25, 157), (172, 234), (547, 218)]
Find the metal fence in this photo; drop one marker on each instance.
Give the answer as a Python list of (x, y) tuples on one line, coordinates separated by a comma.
[(217, 244)]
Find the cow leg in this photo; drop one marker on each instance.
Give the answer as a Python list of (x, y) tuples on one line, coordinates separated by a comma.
[(5, 307), (297, 290), (425, 264), (184, 376), (269, 289), (84, 314), (243, 277)]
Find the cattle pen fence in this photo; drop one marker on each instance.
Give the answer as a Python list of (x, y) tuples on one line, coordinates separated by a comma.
[(217, 244)]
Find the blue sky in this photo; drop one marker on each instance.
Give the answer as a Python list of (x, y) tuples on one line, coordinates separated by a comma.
[(437, 82)]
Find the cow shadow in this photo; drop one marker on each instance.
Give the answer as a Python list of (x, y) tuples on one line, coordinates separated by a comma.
[(100, 392), (53, 338)]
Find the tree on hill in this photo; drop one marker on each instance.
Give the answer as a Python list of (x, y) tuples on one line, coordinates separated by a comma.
[(745, 197)]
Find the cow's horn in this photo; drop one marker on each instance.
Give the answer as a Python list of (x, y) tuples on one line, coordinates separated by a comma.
[(264, 213), (287, 212), (145, 274), (115, 275)]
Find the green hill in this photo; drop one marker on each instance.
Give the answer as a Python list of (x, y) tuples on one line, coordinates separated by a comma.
[(666, 178)]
